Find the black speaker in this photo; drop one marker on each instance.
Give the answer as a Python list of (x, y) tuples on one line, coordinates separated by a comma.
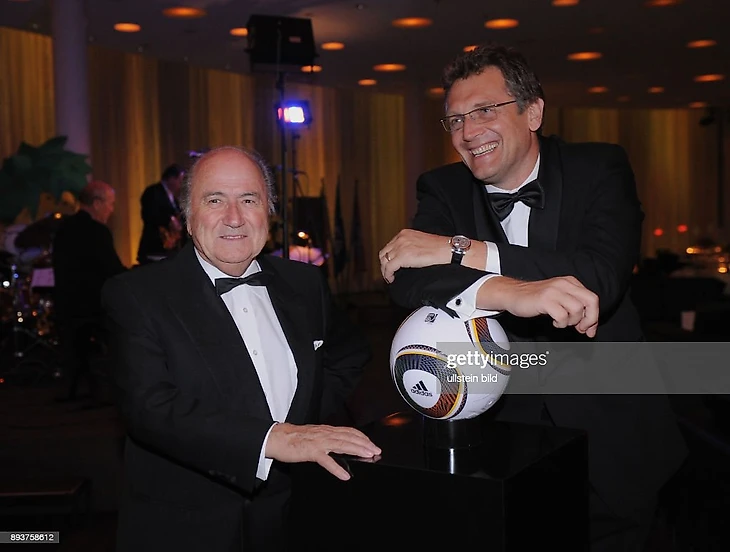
[(276, 40)]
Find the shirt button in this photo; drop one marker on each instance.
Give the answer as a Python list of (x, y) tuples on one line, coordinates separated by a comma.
[(458, 302), (245, 309), (255, 352)]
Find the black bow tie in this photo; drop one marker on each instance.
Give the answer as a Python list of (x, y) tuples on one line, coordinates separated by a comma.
[(223, 285), (530, 194)]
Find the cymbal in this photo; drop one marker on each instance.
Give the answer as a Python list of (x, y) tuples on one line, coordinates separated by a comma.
[(40, 233)]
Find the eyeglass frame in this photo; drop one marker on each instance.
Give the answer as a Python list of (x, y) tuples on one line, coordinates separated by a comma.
[(443, 120)]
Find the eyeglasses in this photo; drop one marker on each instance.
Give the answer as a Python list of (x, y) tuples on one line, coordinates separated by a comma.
[(483, 114)]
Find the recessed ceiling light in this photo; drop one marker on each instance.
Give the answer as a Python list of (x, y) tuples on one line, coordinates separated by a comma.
[(239, 31), (597, 89), (367, 82), (501, 23), (127, 27), (709, 78), (470, 48), (184, 12), (436, 91), (389, 67), (661, 3), (584, 56), (706, 43), (697, 105), (412, 22), (656, 90), (562, 3), (333, 46), (311, 69)]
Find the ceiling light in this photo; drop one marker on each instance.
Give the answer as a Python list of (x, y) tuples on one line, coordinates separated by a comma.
[(311, 69), (127, 27), (436, 91), (661, 3), (701, 43), (239, 31), (389, 67), (562, 3), (412, 22), (367, 82), (697, 105), (709, 78), (470, 48), (597, 89), (584, 56), (501, 23), (333, 46), (656, 90), (184, 12)]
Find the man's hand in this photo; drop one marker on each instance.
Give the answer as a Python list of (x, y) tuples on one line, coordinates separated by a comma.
[(564, 299), (313, 443), (413, 249)]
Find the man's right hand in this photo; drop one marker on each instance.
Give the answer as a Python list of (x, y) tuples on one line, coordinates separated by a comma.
[(564, 299), (313, 443)]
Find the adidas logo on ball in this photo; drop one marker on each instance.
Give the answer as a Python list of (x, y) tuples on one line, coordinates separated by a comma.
[(420, 389)]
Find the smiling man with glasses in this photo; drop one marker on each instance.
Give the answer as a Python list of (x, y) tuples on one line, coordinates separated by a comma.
[(549, 232)]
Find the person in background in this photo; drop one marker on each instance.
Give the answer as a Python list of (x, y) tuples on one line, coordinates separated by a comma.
[(83, 258), (548, 232), (162, 231), (227, 361)]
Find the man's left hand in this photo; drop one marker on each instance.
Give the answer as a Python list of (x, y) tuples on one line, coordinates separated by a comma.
[(413, 249)]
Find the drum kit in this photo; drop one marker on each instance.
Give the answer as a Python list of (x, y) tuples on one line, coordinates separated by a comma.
[(26, 291)]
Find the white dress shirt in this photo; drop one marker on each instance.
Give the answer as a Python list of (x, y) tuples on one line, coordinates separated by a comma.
[(256, 320), (515, 227)]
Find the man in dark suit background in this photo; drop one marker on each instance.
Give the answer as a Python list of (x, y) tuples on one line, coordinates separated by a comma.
[(227, 361), (548, 232), (162, 224), (83, 259)]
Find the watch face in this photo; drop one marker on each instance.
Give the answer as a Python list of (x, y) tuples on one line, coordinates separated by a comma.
[(461, 242)]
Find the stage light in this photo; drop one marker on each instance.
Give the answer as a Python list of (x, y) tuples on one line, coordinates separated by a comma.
[(294, 113)]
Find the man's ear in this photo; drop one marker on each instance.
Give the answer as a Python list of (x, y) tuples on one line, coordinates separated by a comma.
[(534, 114)]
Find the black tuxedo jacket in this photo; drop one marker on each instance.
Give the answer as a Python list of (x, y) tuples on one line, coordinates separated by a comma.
[(83, 259), (156, 212), (590, 228), (195, 411)]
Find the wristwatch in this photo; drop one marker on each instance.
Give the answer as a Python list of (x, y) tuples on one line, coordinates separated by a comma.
[(459, 246)]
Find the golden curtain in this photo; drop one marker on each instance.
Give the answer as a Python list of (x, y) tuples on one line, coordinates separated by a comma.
[(27, 111)]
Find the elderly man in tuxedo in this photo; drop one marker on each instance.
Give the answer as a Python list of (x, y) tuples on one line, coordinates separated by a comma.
[(227, 363), (548, 232)]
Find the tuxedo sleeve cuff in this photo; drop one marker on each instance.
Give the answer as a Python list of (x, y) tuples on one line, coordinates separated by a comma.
[(262, 472), (493, 264), (465, 304)]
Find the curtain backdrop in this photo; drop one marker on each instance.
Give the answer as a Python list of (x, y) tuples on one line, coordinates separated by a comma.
[(146, 114)]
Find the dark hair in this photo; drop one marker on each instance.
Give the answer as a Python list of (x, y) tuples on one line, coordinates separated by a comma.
[(173, 171), (251, 154), (522, 82)]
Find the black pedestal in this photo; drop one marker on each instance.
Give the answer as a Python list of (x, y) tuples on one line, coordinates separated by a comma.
[(523, 487)]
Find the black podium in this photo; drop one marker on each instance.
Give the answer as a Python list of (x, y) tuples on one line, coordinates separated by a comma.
[(521, 488)]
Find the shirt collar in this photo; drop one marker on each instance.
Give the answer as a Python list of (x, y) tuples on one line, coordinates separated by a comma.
[(532, 176), (214, 273)]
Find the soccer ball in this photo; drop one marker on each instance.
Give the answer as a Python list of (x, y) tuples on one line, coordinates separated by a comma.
[(449, 369)]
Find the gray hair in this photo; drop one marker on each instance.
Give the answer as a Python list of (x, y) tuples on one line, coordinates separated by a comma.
[(253, 155)]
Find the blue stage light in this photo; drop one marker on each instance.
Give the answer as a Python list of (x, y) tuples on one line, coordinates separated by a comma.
[(294, 113)]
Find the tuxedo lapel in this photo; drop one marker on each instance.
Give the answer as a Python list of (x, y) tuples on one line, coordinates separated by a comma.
[(214, 333), (543, 228), (486, 221), (292, 314)]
